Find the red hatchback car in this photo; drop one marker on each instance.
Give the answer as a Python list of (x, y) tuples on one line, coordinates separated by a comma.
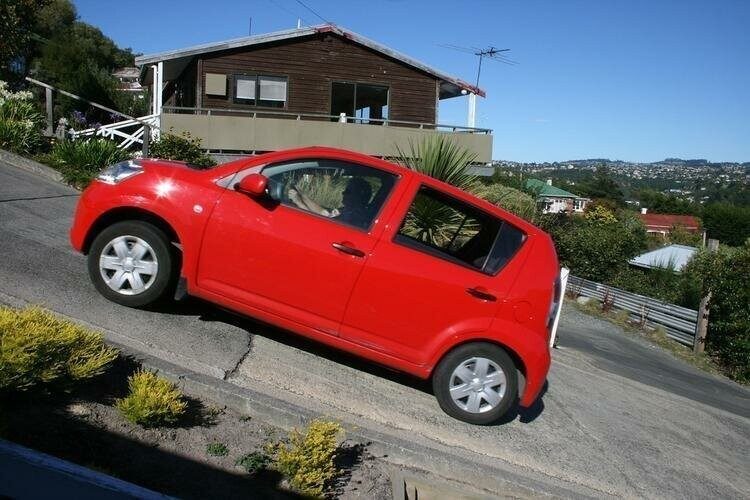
[(344, 248)]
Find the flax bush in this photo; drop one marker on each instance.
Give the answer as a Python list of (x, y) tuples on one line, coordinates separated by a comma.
[(37, 347), (20, 122), (80, 161), (307, 459), (152, 401)]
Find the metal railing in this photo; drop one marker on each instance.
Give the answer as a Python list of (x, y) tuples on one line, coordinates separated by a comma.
[(678, 322), (319, 116)]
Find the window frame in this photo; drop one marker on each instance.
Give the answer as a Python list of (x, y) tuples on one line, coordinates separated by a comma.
[(256, 101), (362, 121), (416, 245), (376, 216)]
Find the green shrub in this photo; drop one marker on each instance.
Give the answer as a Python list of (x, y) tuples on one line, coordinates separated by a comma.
[(725, 274), (80, 161), (307, 459), (20, 122), (217, 449), (37, 347), (181, 148), (152, 401), (254, 462), (512, 200)]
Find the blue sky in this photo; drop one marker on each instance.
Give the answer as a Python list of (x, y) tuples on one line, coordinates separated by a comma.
[(635, 80)]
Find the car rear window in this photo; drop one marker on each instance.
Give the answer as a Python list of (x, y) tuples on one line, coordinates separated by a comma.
[(447, 228)]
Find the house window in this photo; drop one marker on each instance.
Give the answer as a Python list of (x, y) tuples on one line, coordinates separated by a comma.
[(260, 90), (368, 103)]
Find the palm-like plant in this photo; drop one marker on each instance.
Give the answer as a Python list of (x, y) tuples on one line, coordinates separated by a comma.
[(429, 220)]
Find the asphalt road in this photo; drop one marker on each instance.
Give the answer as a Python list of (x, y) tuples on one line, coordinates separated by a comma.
[(619, 417)]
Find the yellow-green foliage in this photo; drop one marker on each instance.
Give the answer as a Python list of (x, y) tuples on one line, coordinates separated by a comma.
[(37, 347), (307, 458), (152, 400)]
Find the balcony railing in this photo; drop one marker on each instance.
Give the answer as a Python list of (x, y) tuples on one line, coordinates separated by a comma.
[(255, 131), (323, 117)]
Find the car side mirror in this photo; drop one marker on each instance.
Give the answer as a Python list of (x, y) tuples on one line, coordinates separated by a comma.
[(253, 185)]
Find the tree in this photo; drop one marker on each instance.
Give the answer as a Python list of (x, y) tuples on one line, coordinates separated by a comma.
[(601, 185), (512, 200), (730, 224), (17, 22)]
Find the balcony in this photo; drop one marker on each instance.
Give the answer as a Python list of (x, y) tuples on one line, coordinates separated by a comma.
[(229, 130)]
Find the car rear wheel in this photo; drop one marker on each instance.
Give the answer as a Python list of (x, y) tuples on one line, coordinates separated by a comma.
[(132, 263), (476, 383)]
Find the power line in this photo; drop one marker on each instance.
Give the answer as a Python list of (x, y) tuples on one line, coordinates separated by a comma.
[(315, 13), (288, 11)]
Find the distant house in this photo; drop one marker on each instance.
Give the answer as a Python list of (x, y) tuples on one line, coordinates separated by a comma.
[(318, 85), (553, 200), (664, 223), (128, 80), (674, 257)]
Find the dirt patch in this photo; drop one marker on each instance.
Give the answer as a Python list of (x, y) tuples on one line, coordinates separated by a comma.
[(84, 427)]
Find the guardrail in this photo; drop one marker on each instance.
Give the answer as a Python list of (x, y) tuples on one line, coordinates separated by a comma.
[(678, 322)]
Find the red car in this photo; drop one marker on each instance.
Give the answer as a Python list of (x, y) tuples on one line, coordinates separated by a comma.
[(353, 251)]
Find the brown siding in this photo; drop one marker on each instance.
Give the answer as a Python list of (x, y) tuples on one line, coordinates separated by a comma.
[(312, 63)]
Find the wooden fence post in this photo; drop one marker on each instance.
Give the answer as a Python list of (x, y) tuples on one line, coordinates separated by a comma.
[(701, 328)]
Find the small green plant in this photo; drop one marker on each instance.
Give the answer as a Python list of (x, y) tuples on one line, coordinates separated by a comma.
[(152, 400), (254, 462), (307, 458), (37, 347), (82, 160), (217, 449), (20, 121), (181, 148)]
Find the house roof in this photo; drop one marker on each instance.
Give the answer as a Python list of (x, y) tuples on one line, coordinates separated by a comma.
[(449, 86), (668, 221), (547, 190), (674, 257)]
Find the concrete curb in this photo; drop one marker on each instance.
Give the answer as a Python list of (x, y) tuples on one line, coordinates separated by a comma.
[(496, 476), (31, 166)]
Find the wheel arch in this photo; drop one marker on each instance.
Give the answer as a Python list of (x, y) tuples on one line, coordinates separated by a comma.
[(124, 214), (517, 360)]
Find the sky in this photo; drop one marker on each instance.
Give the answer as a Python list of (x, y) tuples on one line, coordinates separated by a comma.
[(636, 80)]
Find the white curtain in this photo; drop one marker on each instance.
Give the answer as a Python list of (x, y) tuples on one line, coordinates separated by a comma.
[(272, 88)]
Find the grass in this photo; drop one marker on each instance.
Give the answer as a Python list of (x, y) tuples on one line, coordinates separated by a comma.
[(254, 462), (153, 401), (657, 336), (217, 449)]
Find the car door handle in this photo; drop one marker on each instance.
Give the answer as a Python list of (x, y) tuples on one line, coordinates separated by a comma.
[(344, 247), (481, 292)]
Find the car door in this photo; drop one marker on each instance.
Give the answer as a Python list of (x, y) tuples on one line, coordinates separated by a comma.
[(435, 274), (290, 259)]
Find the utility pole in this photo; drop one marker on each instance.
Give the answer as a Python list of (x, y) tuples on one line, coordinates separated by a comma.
[(701, 328)]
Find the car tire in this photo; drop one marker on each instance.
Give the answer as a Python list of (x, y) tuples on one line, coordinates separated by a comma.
[(476, 383), (129, 248)]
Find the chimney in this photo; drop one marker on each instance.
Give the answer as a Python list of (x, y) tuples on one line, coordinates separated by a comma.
[(549, 182), (644, 210)]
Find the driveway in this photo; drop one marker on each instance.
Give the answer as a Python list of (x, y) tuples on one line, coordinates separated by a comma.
[(620, 417)]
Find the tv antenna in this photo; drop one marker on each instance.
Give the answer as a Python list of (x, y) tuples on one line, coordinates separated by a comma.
[(489, 53)]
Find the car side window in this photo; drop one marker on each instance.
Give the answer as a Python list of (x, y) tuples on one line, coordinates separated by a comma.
[(344, 192), (447, 228)]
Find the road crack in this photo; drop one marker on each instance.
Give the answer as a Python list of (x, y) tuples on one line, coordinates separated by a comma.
[(229, 374), (33, 198)]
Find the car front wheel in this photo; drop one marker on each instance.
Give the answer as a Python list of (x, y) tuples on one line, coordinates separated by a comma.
[(131, 263), (476, 383)]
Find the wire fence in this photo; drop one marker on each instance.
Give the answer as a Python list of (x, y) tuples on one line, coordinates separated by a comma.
[(678, 322)]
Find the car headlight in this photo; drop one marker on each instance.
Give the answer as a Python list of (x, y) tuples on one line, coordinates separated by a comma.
[(120, 171)]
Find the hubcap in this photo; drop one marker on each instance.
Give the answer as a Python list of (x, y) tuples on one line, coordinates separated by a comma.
[(128, 265), (477, 385)]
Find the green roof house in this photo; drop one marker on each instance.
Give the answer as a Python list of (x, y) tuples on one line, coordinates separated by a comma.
[(552, 200)]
